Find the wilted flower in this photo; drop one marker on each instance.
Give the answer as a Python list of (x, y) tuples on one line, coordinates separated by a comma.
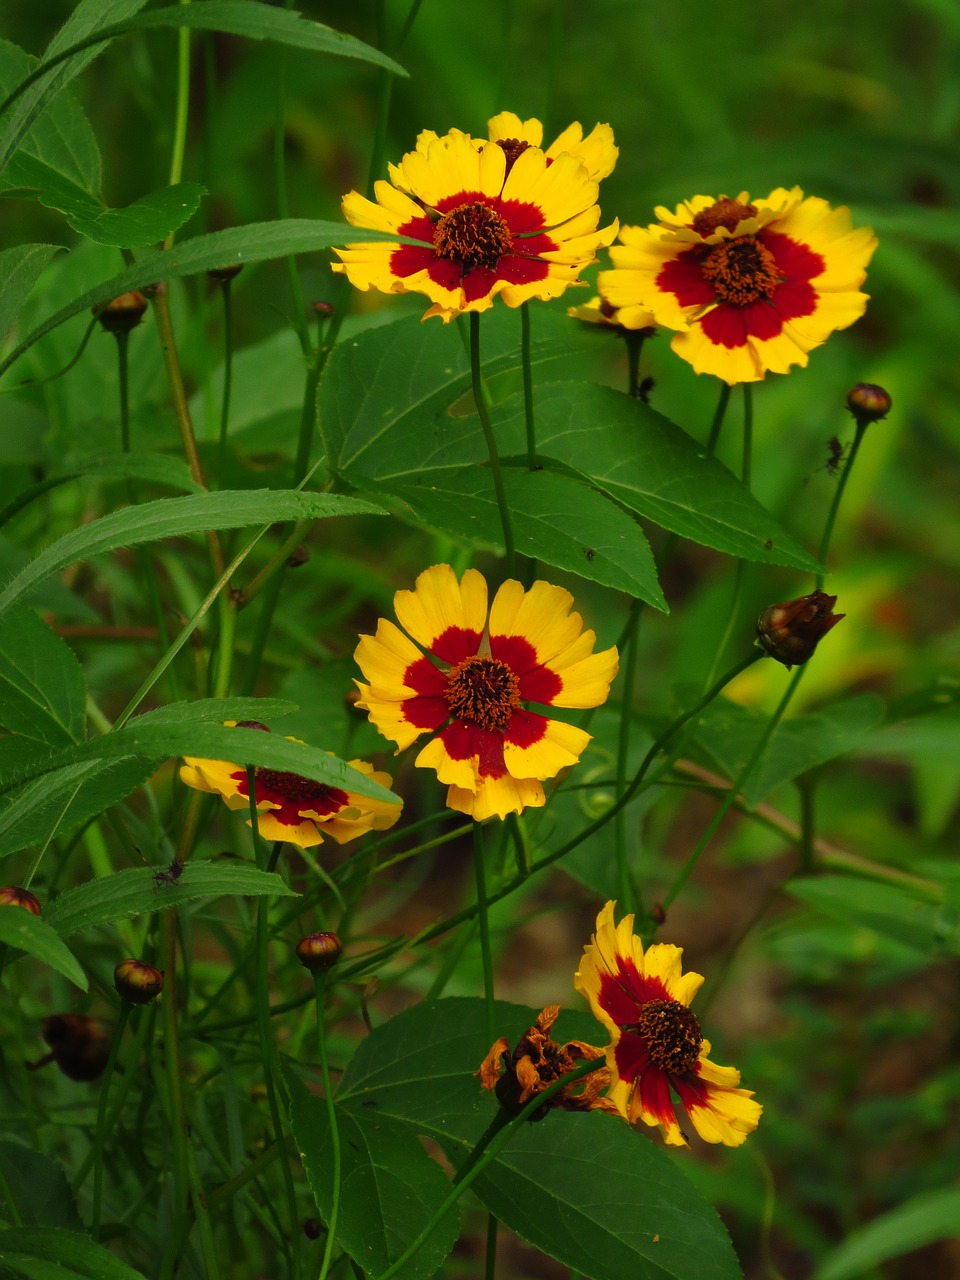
[(79, 1045), (537, 1062), (750, 286), (791, 631), (467, 684), (656, 1048)]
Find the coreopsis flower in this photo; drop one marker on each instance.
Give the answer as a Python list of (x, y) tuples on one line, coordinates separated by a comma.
[(596, 151), (656, 1049), (487, 221), (536, 1062), (791, 631), (464, 675), (601, 312), (292, 808), (749, 286)]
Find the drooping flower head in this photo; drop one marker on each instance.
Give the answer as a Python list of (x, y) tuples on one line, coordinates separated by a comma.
[(750, 286), (536, 1062), (601, 312), (292, 808), (464, 676), (488, 219), (656, 1049)]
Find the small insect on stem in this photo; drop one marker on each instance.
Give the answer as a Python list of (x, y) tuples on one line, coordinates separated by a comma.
[(170, 875), (837, 452)]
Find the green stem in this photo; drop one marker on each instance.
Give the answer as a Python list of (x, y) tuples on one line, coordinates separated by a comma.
[(123, 372), (528, 386), (183, 109), (101, 1130), (481, 402), (484, 922), (835, 505), (634, 339), (500, 1131), (735, 789), (490, 1258), (202, 1217), (227, 375), (177, 1118), (384, 94), (9, 1200), (280, 193), (746, 467), (628, 892), (718, 417), (320, 985), (807, 786)]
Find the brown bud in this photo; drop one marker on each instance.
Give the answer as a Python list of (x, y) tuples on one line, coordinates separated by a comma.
[(791, 631), (324, 308), (252, 724), (225, 273), (298, 556), (312, 1228), (79, 1045), (137, 981), (350, 700), (12, 896), (123, 313), (868, 402), (319, 951)]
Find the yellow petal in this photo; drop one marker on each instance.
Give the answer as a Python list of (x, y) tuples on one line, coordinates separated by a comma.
[(496, 797), (438, 602), (561, 746)]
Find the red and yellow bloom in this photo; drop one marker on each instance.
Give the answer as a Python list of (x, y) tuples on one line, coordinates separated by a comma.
[(464, 675), (749, 286), (656, 1050), (292, 808), (489, 219)]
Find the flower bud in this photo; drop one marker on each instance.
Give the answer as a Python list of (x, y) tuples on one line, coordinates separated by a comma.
[(225, 273), (12, 896), (298, 556), (137, 981), (79, 1044), (868, 402), (324, 308), (319, 951), (312, 1228), (791, 631), (123, 313)]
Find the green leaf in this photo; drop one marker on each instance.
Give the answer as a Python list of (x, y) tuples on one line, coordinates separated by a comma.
[(39, 1188), (256, 242), (170, 517), (585, 1189), (921, 1220), (42, 688), (730, 732), (890, 911), (62, 799), (19, 270), (128, 893), (30, 1251), (556, 519), (390, 1188), (35, 936)]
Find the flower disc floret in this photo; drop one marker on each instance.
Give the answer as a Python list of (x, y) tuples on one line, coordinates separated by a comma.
[(464, 674), (750, 287), (657, 1052), (485, 220)]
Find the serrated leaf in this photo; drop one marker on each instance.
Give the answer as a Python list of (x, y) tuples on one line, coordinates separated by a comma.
[(919, 1221), (729, 733), (42, 687), (171, 517), (390, 1188), (585, 1189), (41, 1253), (890, 911), (39, 1188), (20, 269), (556, 519), (35, 937), (129, 893)]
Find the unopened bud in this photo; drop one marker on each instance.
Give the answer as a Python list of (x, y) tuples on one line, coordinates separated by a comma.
[(225, 273), (791, 631), (319, 951), (252, 724), (12, 896), (298, 556), (123, 313), (350, 700), (79, 1044), (868, 402), (324, 308), (312, 1228), (137, 981)]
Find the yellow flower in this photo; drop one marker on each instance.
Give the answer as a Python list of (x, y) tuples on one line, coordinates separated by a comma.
[(468, 691), (596, 151), (299, 810), (643, 999), (486, 222), (750, 287), (601, 312)]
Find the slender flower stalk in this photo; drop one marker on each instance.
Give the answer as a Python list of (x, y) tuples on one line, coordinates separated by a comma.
[(484, 921), (177, 1117), (225, 283), (745, 470), (101, 1129), (827, 535), (484, 414)]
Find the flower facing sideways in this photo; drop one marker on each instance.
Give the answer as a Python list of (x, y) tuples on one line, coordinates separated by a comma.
[(656, 1049), (292, 808), (487, 219), (464, 676), (750, 286)]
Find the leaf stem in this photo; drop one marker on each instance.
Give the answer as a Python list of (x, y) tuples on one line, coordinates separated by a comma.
[(481, 402), (101, 1130), (320, 986), (484, 922)]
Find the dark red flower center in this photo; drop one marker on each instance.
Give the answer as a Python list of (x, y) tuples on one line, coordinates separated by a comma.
[(741, 271), (302, 793), (672, 1035), (512, 148), (483, 691), (473, 235), (725, 213)]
